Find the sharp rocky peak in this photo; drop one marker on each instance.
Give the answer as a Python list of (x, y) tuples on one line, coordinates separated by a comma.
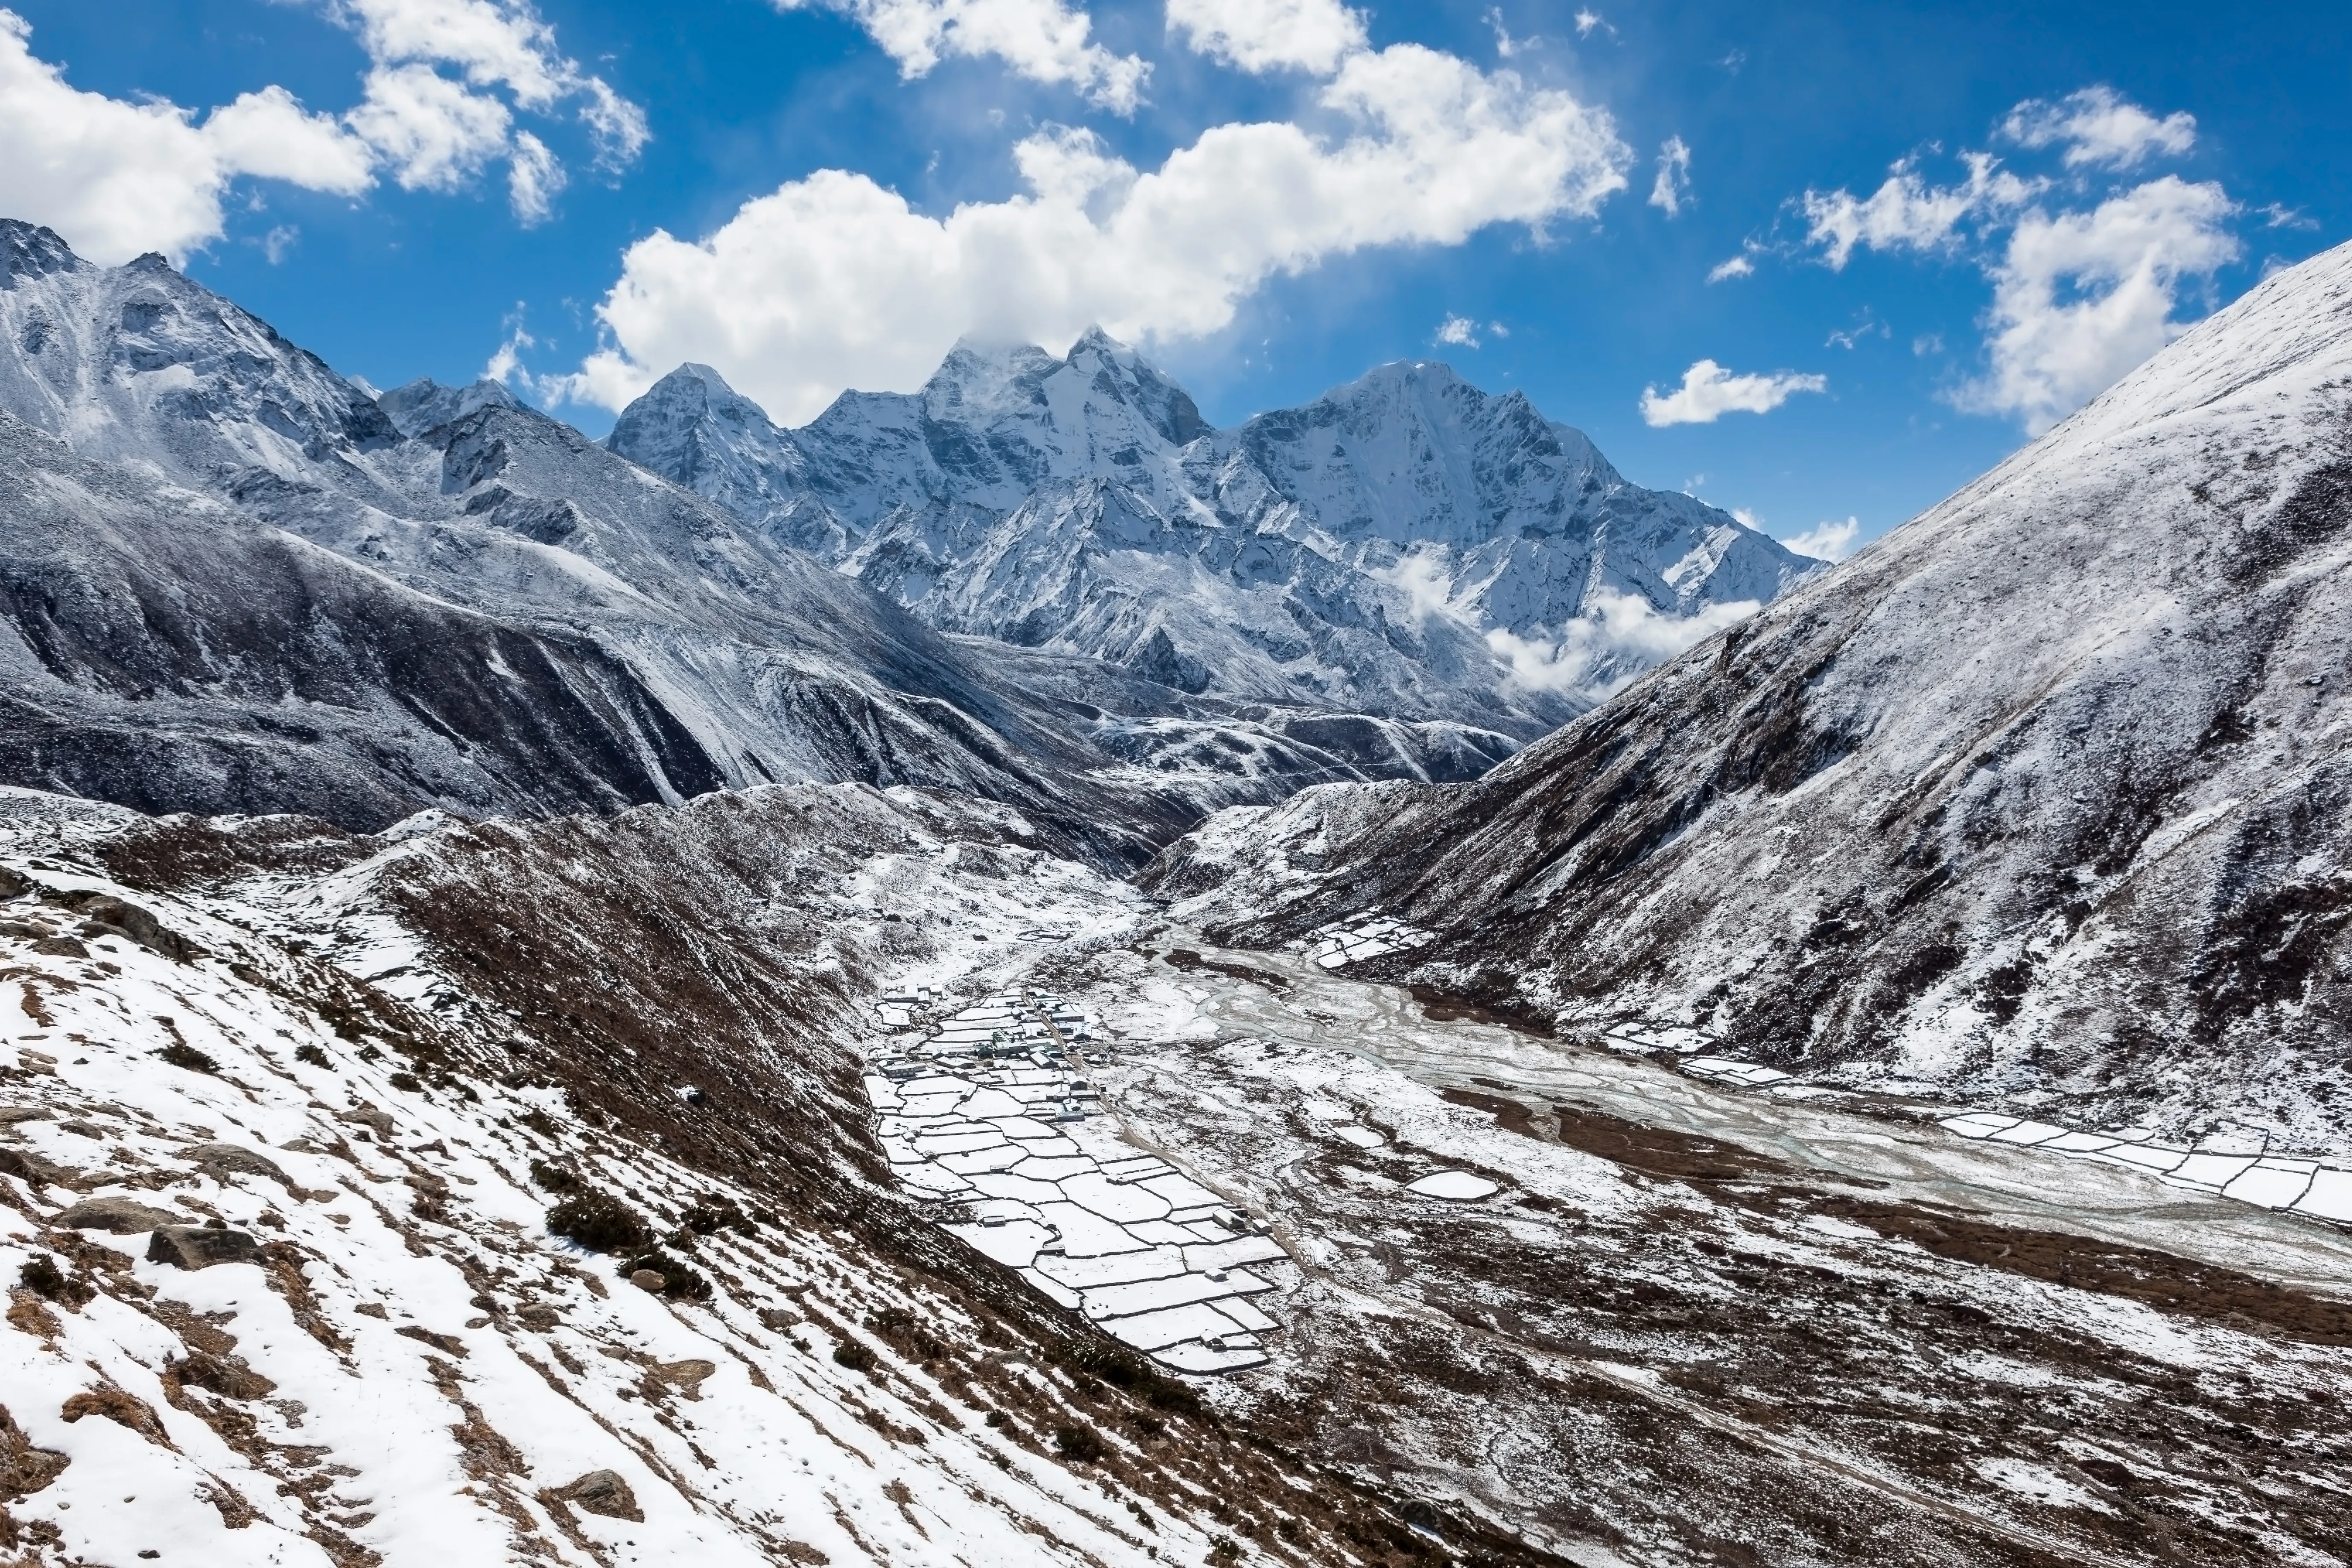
[(28, 249), (425, 403)]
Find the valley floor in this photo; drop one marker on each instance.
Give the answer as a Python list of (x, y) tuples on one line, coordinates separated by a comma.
[(1478, 1297)]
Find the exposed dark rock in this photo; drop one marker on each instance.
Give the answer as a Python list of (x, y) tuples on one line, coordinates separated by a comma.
[(603, 1492), (201, 1246), (121, 1217)]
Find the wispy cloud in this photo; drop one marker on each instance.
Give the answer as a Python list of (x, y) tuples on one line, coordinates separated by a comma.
[(1673, 186), (1710, 392)]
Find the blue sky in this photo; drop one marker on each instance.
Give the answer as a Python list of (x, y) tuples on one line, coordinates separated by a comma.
[(1272, 208)]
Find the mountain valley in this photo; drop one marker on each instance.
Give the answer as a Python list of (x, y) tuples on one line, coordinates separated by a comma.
[(1010, 977)]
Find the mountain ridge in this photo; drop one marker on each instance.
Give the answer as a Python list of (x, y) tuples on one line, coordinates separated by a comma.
[(2032, 801), (1407, 505)]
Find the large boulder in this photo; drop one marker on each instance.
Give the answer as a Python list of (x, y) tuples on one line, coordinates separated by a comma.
[(201, 1246), (123, 1216)]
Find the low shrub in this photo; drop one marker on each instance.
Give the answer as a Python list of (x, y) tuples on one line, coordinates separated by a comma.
[(44, 1278), (599, 1222), (680, 1283), (1079, 1445), (313, 1055), (854, 1354), (179, 1054), (555, 1178)]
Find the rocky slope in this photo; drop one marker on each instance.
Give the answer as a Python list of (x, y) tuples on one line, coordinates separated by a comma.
[(1359, 554), (350, 1226), (2038, 799)]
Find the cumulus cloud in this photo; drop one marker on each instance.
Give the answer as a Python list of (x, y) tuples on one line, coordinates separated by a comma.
[(1710, 392), (436, 131), (833, 279), (1044, 40), (435, 135), (2080, 297), (1830, 540), (1457, 332), (1672, 187), (1907, 213), (118, 178), (1616, 637), (1259, 36), (2098, 127), (269, 134)]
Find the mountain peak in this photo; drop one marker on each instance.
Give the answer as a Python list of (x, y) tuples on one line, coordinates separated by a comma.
[(423, 404), (29, 250)]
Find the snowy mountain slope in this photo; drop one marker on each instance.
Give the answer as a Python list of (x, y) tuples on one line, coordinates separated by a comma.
[(1352, 555), (2041, 799), (164, 650), (374, 1123), (138, 364), (622, 639)]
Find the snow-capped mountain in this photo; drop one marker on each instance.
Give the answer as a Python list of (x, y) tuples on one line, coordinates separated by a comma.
[(237, 581), (1360, 551), (2040, 798)]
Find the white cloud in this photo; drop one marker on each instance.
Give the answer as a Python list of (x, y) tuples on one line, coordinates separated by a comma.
[(1738, 267), (118, 178), (269, 134), (1044, 40), (435, 133), (1905, 213), (1827, 541), (2082, 297), (533, 179), (1710, 392), (1586, 20), (834, 280), (2097, 127), (1460, 331), (2079, 296), (1505, 46), (1260, 35), (1616, 637), (1673, 186)]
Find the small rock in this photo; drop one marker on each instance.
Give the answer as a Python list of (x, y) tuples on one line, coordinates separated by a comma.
[(61, 947), (120, 1217), (220, 1161), (649, 1279), (365, 1114), (448, 1344), (603, 1492), (538, 1317), (12, 1114), (201, 1246), (686, 1376)]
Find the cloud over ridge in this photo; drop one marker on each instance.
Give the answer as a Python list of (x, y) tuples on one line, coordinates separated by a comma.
[(833, 280)]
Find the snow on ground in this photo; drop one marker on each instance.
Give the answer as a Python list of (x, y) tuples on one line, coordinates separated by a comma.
[(991, 1109), (397, 1362)]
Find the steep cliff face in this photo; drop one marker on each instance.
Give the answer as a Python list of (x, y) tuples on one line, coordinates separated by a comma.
[(2041, 796), (1358, 554)]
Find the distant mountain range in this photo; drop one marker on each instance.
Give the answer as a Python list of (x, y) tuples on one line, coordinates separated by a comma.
[(1359, 553), (236, 581)]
